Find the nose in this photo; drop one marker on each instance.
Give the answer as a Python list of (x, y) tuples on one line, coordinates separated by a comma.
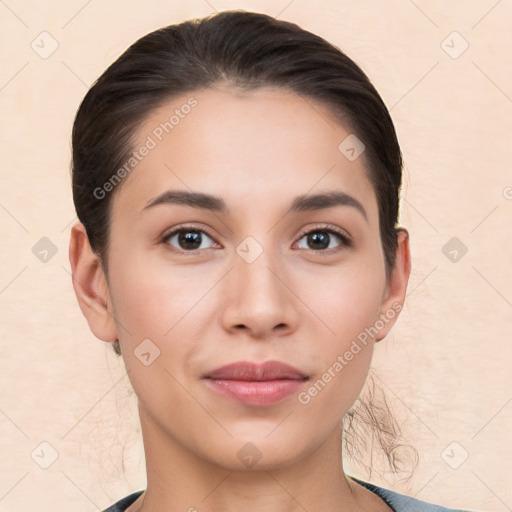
[(259, 300)]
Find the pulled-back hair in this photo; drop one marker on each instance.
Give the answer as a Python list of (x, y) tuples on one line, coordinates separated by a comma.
[(246, 50)]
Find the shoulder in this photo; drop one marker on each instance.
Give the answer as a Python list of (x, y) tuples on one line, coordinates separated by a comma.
[(403, 503), (398, 502), (124, 503)]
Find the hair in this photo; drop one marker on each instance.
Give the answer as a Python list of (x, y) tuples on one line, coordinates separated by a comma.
[(241, 49)]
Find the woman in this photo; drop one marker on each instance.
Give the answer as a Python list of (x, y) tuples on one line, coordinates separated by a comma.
[(270, 153)]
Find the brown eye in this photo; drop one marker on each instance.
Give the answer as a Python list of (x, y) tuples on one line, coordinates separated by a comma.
[(188, 239), (318, 240), (324, 240)]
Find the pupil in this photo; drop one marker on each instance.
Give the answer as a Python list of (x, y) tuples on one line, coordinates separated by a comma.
[(323, 238), (190, 237)]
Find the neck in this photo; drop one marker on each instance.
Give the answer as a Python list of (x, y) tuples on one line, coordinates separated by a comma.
[(178, 480)]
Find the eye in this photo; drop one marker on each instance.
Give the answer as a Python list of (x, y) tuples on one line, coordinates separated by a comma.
[(188, 239), (320, 239)]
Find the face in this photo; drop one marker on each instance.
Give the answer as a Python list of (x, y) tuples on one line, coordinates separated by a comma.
[(257, 273)]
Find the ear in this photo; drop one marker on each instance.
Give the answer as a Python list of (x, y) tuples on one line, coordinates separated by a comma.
[(91, 285), (396, 287)]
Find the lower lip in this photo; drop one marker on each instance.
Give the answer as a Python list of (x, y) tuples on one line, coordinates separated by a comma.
[(266, 392)]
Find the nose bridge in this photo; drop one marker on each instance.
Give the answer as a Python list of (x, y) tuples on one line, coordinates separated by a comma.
[(258, 271), (259, 298)]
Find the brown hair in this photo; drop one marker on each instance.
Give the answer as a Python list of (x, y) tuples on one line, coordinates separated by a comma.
[(241, 48)]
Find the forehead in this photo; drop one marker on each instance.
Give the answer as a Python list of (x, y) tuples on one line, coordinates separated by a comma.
[(260, 147)]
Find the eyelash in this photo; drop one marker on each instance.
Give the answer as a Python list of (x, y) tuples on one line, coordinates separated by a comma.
[(346, 242)]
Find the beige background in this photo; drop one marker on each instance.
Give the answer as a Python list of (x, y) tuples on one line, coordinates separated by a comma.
[(446, 366)]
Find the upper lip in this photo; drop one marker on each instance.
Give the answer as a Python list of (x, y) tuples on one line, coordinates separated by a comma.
[(246, 370)]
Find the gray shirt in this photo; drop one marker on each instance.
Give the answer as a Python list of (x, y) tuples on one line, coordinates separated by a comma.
[(398, 502)]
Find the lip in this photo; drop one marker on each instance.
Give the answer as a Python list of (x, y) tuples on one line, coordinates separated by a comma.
[(246, 370), (256, 384)]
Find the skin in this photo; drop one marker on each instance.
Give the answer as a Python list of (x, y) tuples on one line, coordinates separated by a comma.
[(208, 307)]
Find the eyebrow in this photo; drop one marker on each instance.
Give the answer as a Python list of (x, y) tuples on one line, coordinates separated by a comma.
[(323, 200), (192, 199), (301, 203)]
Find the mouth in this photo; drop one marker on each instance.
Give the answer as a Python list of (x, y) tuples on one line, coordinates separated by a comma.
[(258, 385)]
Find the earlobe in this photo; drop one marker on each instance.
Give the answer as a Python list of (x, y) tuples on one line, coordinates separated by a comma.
[(396, 287), (90, 285)]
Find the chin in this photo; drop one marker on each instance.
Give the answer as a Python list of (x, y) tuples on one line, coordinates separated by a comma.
[(258, 453)]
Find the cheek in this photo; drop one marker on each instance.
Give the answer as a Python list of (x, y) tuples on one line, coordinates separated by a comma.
[(169, 307), (149, 300), (348, 304), (334, 391), (141, 308), (348, 301)]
